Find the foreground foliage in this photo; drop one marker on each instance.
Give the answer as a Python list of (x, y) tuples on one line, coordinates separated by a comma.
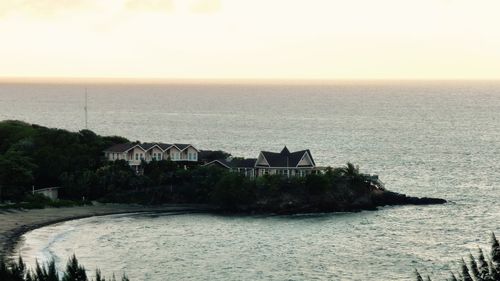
[(17, 271), (480, 268)]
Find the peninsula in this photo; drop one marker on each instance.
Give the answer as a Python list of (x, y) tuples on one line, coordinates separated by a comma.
[(87, 167), (92, 175)]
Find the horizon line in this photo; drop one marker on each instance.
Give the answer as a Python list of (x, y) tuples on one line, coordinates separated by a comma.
[(162, 80)]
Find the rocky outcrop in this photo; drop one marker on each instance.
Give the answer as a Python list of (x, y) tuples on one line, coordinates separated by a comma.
[(389, 198), (376, 198)]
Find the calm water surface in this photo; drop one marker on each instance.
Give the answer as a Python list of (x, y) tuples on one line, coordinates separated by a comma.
[(438, 139)]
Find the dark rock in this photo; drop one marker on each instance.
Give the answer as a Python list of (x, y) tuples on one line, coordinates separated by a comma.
[(392, 198)]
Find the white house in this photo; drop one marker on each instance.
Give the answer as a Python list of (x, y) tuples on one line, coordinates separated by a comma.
[(285, 163), (135, 153)]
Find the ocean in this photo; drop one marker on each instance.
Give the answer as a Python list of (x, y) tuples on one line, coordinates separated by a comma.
[(423, 138)]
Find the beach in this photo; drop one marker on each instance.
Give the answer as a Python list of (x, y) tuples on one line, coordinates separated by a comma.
[(14, 223), (422, 138)]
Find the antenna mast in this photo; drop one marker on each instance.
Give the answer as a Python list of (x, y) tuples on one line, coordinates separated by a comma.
[(86, 110)]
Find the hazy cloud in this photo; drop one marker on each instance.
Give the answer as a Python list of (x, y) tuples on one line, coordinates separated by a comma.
[(150, 5), (49, 8), (205, 6), (43, 7)]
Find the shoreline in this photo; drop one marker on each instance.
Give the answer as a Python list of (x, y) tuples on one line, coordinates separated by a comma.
[(15, 223)]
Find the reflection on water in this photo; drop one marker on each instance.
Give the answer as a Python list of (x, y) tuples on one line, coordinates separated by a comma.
[(359, 246), (438, 139)]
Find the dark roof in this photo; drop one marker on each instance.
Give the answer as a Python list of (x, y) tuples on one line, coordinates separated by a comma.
[(219, 162), (285, 150), (243, 163), (121, 147), (148, 146), (181, 146), (203, 154), (164, 146), (234, 163), (206, 155), (285, 158)]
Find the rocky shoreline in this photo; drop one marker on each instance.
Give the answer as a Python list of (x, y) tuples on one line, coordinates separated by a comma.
[(369, 202)]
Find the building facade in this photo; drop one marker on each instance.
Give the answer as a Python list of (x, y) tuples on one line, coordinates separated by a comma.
[(285, 163), (135, 153)]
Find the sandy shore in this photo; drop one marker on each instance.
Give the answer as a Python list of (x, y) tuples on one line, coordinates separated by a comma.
[(14, 223)]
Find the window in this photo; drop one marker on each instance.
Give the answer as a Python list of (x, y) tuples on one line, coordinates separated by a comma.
[(142, 156), (137, 156), (154, 156)]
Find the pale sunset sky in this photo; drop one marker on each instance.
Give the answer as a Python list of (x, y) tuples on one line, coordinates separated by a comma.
[(251, 39)]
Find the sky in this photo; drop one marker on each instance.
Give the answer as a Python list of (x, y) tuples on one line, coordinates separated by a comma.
[(251, 39)]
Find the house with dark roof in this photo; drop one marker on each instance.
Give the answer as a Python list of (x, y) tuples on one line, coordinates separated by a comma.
[(286, 163), (135, 153), (244, 166)]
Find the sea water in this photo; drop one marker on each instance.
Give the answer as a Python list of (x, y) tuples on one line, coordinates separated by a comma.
[(438, 139)]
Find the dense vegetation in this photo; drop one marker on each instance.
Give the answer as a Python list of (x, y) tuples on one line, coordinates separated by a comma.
[(35, 155), (479, 269), (18, 271)]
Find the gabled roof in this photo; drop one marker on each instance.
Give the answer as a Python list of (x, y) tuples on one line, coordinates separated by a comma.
[(310, 156), (147, 146), (285, 158), (285, 150), (220, 162), (234, 163), (182, 146), (124, 147), (121, 147), (164, 146)]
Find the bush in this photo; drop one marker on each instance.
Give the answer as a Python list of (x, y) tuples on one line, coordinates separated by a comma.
[(480, 268), (17, 271), (233, 191)]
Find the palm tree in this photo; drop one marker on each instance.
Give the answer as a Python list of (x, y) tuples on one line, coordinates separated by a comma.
[(351, 170)]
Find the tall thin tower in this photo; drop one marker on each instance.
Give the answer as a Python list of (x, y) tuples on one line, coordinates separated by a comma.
[(86, 110)]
